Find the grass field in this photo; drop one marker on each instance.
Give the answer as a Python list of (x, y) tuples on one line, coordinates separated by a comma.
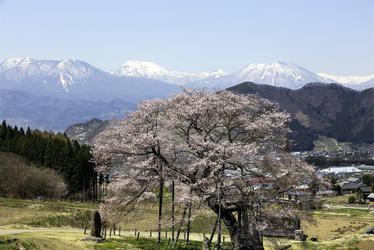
[(324, 143), (59, 225)]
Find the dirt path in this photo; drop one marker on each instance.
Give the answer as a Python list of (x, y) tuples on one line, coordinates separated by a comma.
[(19, 231)]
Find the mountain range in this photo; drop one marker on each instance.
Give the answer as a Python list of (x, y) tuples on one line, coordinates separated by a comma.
[(53, 94), (316, 109), (279, 74), (150, 70), (321, 109)]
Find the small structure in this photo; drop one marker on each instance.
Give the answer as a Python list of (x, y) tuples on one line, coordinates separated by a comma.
[(349, 187), (96, 224), (365, 190), (354, 180), (326, 193), (264, 183), (370, 197), (95, 228), (366, 168), (369, 230), (299, 235), (283, 227), (340, 171)]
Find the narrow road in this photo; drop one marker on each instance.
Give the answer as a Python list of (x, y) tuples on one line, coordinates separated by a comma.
[(344, 207), (19, 231)]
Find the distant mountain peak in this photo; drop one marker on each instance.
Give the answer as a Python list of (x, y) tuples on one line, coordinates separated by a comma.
[(137, 68), (349, 79), (151, 70), (276, 73)]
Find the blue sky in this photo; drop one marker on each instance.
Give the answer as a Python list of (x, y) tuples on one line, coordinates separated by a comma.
[(335, 36)]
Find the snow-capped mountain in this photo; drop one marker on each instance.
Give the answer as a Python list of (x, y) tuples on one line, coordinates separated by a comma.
[(72, 78), (53, 94), (150, 70), (355, 82), (66, 72), (351, 80), (280, 74)]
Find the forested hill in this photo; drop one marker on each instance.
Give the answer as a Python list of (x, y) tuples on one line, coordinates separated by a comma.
[(55, 151), (325, 109)]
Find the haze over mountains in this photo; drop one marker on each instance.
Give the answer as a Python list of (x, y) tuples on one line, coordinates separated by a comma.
[(53, 94)]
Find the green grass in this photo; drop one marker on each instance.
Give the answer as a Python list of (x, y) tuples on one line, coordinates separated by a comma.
[(344, 212), (353, 242), (58, 225), (18, 213), (146, 244), (61, 239), (324, 143), (7, 243)]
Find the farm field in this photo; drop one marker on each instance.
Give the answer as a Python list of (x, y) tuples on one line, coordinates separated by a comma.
[(324, 143), (59, 225)]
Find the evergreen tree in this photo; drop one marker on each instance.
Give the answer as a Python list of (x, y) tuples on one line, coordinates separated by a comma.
[(51, 150)]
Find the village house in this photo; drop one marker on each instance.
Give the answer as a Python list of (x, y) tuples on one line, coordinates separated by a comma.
[(370, 197)]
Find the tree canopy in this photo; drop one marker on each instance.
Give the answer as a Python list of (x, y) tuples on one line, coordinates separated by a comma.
[(228, 150)]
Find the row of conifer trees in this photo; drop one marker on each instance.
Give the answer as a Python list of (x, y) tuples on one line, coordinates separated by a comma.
[(56, 151)]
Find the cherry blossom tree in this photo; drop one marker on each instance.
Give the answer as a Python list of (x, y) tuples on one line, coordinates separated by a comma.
[(226, 149)]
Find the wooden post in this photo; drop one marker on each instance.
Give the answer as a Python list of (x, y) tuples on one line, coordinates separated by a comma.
[(137, 237), (189, 222), (213, 232), (166, 234), (119, 231), (172, 210), (219, 218), (160, 197), (114, 229), (180, 226)]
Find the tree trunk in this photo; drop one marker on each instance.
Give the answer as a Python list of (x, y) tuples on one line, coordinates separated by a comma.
[(243, 235)]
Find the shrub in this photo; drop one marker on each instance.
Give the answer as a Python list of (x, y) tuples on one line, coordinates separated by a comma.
[(23, 180), (351, 199)]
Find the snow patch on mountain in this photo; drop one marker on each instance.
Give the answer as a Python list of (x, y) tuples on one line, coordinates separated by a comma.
[(350, 80), (65, 72), (280, 74), (150, 70)]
